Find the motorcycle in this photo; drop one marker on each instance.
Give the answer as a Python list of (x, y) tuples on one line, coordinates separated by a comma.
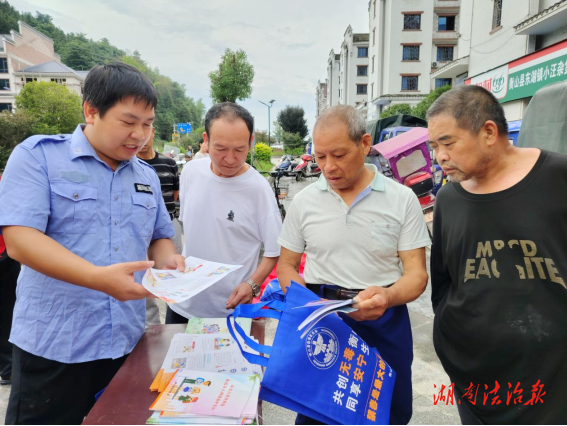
[(287, 165), (406, 158), (308, 168)]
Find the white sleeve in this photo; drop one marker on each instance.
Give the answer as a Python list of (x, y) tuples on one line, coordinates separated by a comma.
[(414, 230), (270, 228), (292, 236)]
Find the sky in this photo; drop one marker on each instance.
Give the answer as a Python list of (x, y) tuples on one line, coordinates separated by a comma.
[(287, 42)]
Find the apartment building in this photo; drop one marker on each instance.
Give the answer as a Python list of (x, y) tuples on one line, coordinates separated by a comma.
[(353, 74), (321, 98), (28, 55), (408, 40)]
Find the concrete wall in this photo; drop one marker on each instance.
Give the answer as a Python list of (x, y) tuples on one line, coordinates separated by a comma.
[(333, 69), (490, 48)]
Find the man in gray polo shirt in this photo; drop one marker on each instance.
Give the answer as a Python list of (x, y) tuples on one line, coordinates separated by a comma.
[(364, 236)]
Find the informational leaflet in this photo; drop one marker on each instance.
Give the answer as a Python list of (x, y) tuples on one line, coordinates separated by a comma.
[(215, 325), (174, 286), (206, 393)]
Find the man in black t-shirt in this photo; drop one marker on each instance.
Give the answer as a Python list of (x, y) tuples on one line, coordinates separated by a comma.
[(498, 272), (166, 169)]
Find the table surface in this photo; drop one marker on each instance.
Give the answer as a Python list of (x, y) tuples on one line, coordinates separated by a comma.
[(127, 398)]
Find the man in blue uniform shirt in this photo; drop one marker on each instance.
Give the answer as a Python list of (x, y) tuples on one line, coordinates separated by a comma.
[(82, 214)]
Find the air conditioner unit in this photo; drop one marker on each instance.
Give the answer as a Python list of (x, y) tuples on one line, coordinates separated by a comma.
[(433, 64)]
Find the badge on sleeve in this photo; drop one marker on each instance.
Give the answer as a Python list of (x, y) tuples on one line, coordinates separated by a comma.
[(140, 187)]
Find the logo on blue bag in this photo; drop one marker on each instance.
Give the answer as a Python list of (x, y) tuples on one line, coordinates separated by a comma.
[(322, 347)]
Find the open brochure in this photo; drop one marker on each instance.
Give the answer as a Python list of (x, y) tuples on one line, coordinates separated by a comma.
[(174, 286)]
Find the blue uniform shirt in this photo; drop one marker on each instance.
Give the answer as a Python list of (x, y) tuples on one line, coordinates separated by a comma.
[(59, 185)]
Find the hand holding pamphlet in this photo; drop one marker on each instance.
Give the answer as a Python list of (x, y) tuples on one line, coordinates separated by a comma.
[(174, 286)]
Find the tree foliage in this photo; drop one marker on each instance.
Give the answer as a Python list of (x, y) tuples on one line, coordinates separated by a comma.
[(14, 128), (232, 80), (53, 107), (421, 108), (396, 109), (261, 136), (292, 120), (82, 53), (292, 143)]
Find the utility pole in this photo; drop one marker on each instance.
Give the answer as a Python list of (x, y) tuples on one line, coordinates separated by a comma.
[(269, 105)]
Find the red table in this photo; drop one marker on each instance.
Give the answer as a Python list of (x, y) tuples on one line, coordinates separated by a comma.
[(127, 398)]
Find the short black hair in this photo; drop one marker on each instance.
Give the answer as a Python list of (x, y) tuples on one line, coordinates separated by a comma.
[(106, 85), (471, 106), (201, 141), (230, 111)]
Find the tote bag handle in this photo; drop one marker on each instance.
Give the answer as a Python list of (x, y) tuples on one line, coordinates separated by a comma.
[(254, 311)]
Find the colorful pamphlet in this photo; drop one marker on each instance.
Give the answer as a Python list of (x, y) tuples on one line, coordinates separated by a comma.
[(326, 307), (174, 286), (215, 325)]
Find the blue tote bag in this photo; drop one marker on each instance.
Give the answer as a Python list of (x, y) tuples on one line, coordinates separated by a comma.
[(331, 375)]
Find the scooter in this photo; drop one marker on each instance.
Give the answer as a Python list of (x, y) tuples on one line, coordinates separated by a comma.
[(308, 168), (287, 165)]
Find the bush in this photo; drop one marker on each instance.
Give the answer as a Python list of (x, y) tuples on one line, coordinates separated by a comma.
[(14, 128), (421, 108), (396, 109), (296, 152), (293, 141), (263, 152)]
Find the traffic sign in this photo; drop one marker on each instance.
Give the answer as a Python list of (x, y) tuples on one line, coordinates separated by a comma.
[(184, 127)]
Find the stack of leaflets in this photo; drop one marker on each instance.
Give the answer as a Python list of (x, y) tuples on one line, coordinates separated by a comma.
[(196, 364), (197, 397)]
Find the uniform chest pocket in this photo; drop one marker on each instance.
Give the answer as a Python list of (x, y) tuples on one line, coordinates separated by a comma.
[(73, 208), (385, 238), (143, 215)]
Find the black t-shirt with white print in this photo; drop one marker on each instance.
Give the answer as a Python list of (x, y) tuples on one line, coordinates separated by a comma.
[(499, 291)]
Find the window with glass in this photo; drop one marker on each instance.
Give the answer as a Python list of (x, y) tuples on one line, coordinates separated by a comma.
[(412, 21), (409, 82), (361, 89), (5, 107), (441, 82), (411, 53), (497, 14), (362, 70), (444, 53), (3, 65), (363, 52), (446, 23), (373, 58), (4, 84)]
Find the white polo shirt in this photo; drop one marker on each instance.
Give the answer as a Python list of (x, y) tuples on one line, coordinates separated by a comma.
[(354, 247), (225, 220)]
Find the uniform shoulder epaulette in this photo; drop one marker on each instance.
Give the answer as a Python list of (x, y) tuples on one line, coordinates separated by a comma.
[(32, 141)]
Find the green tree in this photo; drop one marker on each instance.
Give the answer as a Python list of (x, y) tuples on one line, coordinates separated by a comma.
[(293, 143), (292, 119), (277, 132), (396, 109), (14, 128), (8, 18), (55, 108), (261, 136), (421, 108), (232, 80), (78, 54)]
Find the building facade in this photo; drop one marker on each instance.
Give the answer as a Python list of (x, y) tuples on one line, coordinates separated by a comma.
[(321, 98), (517, 47), (333, 78), (353, 74), (408, 40), (28, 55)]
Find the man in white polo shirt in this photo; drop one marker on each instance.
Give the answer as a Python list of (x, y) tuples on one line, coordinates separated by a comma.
[(356, 227), (228, 211)]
